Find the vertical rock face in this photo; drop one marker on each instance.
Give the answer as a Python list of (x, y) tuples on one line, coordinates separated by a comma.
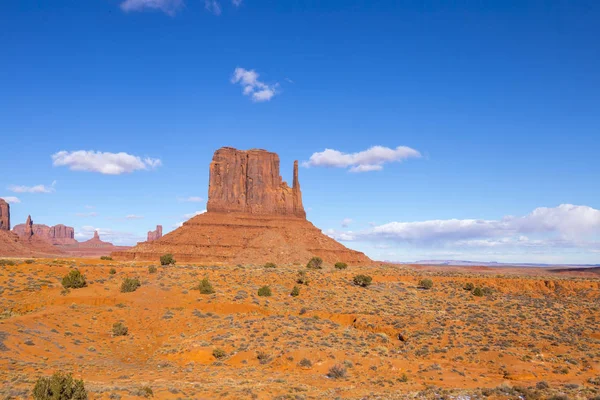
[(249, 182), (57, 234), (28, 227), (4, 215), (96, 235), (155, 235)]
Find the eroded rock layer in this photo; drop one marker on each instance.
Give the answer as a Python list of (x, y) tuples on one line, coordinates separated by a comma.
[(57, 234), (4, 215), (155, 235)]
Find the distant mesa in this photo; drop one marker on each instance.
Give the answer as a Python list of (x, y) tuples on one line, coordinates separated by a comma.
[(252, 216), (57, 234), (155, 235), (95, 242)]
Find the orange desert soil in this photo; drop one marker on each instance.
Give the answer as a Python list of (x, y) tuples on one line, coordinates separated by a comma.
[(393, 339)]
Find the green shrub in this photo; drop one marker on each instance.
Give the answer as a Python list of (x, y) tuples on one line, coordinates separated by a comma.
[(167, 259), (295, 291), (477, 292), (205, 287), (270, 265), (302, 278), (403, 378), (73, 280), (219, 353), (305, 363), (362, 280), (106, 258), (146, 391), (425, 283), (341, 265), (59, 386), (469, 286), (130, 285), (315, 263), (119, 329), (29, 261), (337, 372), (112, 271), (4, 262), (152, 269), (264, 291)]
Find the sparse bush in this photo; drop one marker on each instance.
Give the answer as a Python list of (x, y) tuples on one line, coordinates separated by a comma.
[(263, 357), (477, 292), (264, 291), (167, 259), (486, 291), (29, 261), (315, 263), (152, 269), (270, 265), (362, 280), (130, 285), (302, 278), (341, 265), (106, 258), (469, 286), (59, 386), (337, 372), (219, 353), (403, 378), (4, 262), (112, 271), (119, 329), (425, 283), (146, 391), (205, 287), (305, 363), (73, 280), (541, 385), (295, 291)]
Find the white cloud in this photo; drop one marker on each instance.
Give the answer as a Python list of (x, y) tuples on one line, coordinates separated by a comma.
[(363, 161), (248, 79), (237, 3), (31, 189), (169, 7), (188, 216), (213, 6), (191, 199), (104, 163), (11, 199), (346, 222), (108, 235), (86, 215), (90, 207), (133, 216)]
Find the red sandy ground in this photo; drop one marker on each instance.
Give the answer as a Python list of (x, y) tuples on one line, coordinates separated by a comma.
[(534, 326)]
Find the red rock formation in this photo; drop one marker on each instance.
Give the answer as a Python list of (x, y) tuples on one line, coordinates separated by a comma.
[(249, 182), (4, 215), (155, 235), (57, 234), (28, 228), (252, 217), (94, 242)]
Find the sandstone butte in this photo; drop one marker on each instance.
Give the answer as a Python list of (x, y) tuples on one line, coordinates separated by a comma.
[(155, 235), (4, 215), (27, 245), (253, 217), (57, 234)]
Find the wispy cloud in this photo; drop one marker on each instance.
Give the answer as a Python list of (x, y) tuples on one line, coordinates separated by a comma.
[(134, 216), (256, 89), (213, 6), (103, 162), (346, 222), (237, 3), (11, 199), (191, 199), (32, 189), (86, 215), (372, 159), (169, 7)]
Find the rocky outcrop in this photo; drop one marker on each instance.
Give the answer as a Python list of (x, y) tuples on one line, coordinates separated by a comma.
[(155, 235), (57, 234), (4, 215), (249, 182), (28, 230), (95, 242), (252, 217)]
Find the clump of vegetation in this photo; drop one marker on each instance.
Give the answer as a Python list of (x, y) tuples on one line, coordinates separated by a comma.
[(295, 291), (263, 357), (130, 285), (167, 259), (469, 286), (425, 283), (74, 280), (146, 391), (106, 258), (264, 291), (205, 287), (152, 269), (315, 263), (4, 262), (362, 280), (219, 353), (403, 378), (477, 292), (59, 386), (30, 261), (270, 265), (305, 363), (112, 271), (119, 329), (337, 372), (302, 278), (341, 265)]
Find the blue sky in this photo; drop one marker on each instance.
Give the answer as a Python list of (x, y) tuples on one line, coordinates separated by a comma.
[(500, 100)]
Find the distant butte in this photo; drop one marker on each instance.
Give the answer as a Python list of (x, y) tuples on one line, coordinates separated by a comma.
[(252, 217)]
